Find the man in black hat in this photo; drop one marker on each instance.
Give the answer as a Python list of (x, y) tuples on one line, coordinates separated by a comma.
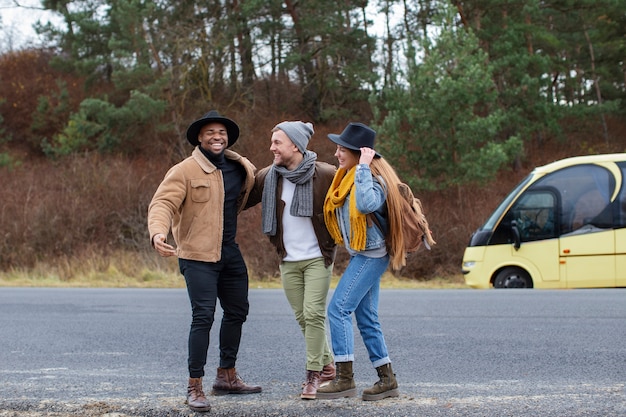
[(200, 198)]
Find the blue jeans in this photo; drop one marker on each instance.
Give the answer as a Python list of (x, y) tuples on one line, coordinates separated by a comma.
[(226, 280), (357, 292)]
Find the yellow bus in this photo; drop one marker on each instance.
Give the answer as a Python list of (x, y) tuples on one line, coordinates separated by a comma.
[(563, 226)]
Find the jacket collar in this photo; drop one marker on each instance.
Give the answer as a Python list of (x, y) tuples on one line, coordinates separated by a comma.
[(206, 165)]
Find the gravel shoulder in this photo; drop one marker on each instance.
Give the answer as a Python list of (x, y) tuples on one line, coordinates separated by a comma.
[(464, 401)]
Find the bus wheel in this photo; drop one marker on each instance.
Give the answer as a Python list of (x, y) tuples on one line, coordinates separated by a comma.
[(512, 277)]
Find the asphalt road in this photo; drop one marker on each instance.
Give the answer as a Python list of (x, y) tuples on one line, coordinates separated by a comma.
[(122, 352)]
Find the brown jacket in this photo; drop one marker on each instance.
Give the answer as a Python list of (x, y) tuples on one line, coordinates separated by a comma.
[(190, 201), (323, 177)]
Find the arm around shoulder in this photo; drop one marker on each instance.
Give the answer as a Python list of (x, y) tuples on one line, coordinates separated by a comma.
[(326, 171), (259, 184)]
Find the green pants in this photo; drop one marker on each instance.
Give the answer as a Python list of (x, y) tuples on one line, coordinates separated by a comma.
[(306, 285)]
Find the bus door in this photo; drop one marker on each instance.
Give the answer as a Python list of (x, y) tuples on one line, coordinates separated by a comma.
[(620, 254), (587, 242), (533, 217), (588, 259)]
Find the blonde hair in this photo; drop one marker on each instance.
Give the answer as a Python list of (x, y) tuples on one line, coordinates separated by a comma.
[(395, 233)]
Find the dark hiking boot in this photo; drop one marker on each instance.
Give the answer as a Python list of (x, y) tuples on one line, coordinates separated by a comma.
[(340, 387), (386, 386)]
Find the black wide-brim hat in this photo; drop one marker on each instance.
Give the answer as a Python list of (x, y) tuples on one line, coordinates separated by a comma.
[(213, 116), (355, 136)]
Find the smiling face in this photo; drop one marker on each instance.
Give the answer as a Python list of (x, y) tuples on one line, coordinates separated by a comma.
[(347, 158), (286, 154), (213, 137)]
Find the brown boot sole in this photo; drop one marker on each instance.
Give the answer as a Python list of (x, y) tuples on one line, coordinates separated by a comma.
[(335, 395), (199, 409), (308, 396), (236, 392), (386, 394)]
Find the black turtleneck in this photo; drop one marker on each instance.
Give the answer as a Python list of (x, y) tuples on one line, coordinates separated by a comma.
[(233, 175)]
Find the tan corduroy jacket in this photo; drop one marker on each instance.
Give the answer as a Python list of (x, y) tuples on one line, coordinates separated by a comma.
[(190, 201)]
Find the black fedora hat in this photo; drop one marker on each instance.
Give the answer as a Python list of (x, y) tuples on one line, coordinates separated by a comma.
[(355, 136), (213, 117)]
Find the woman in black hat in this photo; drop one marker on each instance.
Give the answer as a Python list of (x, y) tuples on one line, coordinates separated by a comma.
[(364, 185), (200, 198)]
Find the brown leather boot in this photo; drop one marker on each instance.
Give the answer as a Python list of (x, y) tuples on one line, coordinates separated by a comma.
[(328, 373), (228, 381), (310, 387), (340, 387), (386, 386), (195, 396)]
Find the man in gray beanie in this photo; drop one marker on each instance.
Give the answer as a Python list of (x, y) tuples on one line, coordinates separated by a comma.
[(298, 132), (292, 192)]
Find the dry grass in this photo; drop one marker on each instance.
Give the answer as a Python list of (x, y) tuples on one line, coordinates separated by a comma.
[(120, 270), (135, 270)]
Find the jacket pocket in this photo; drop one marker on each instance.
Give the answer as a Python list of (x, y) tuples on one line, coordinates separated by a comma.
[(200, 190)]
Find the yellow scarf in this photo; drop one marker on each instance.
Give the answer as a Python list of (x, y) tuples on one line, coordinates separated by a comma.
[(343, 183)]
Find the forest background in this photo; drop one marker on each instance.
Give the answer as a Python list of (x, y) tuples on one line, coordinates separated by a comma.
[(466, 96)]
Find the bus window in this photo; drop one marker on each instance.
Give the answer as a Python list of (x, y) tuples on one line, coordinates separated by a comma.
[(586, 208), (584, 192), (534, 215)]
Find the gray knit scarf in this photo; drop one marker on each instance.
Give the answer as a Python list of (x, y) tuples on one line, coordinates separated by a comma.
[(302, 203)]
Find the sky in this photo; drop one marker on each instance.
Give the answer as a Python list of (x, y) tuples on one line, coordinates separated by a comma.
[(16, 23), (18, 16)]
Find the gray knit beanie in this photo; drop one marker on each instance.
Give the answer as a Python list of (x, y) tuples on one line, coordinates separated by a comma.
[(298, 132)]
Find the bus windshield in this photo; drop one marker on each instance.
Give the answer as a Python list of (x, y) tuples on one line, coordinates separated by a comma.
[(495, 216)]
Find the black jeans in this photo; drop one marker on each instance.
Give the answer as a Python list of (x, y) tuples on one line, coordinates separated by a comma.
[(226, 280)]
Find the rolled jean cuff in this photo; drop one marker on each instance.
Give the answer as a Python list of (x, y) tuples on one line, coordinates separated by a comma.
[(381, 362), (344, 358)]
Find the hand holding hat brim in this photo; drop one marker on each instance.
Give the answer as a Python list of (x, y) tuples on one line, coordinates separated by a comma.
[(355, 136)]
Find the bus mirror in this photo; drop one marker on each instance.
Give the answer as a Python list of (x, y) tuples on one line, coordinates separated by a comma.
[(517, 240)]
